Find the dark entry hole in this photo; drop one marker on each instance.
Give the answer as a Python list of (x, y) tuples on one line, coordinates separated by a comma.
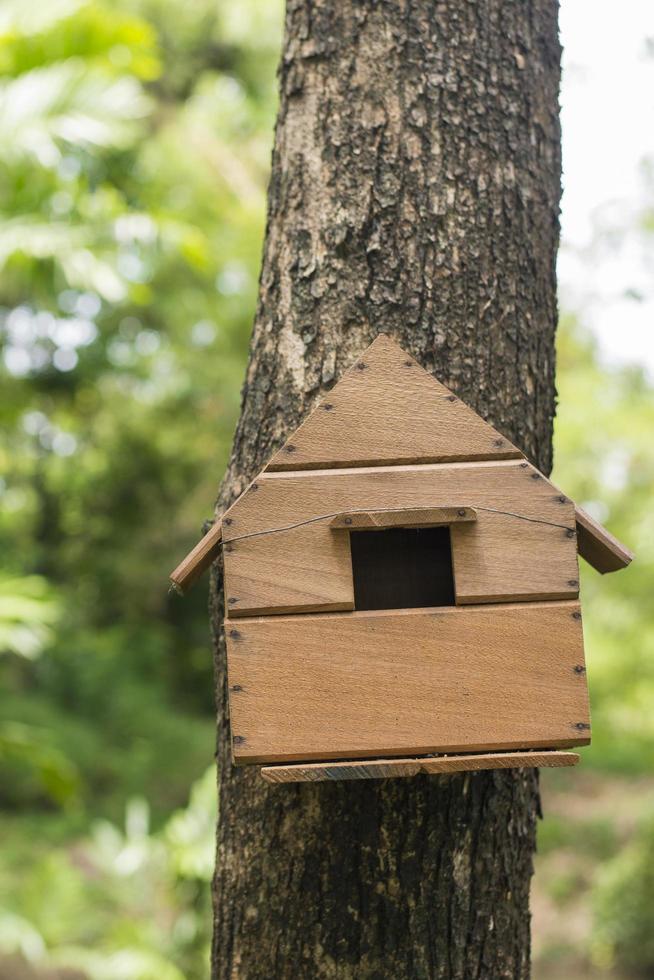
[(402, 567)]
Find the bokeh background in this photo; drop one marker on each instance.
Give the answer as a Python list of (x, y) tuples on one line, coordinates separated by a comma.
[(135, 138)]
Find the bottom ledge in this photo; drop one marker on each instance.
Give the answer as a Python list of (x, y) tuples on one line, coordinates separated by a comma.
[(317, 772)]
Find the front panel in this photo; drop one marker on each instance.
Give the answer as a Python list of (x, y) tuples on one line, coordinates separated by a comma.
[(376, 684), (281, 554)]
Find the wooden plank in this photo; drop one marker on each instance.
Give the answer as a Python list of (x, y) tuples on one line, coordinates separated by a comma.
[(319, 772), (496, 558), (280, 574), (408, 682), (198, 560), (387, 409), (403, 517), (598, 546)]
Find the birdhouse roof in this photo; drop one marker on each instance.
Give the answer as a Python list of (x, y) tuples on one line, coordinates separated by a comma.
[(385, 411)]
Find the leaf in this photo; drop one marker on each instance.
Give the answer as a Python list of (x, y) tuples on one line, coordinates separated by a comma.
[(67, 104), (17, 935), (18, 17), (190, 833), (30, 746), (128, 963), (28, 610), (35, 35)]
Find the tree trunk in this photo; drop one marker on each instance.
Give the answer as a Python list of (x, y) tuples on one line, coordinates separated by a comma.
[(415, 190)]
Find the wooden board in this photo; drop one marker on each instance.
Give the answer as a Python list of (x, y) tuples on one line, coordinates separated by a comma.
[(319, 772), (198, 560), (372, 520), (388, 409), (307, 567), (598, 546), (283, 573), (372, 684)]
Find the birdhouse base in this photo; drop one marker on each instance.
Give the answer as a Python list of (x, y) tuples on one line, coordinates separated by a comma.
[(317, 772)]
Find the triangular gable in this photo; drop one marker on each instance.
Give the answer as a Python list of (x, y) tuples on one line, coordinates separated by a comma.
[(388, 410)]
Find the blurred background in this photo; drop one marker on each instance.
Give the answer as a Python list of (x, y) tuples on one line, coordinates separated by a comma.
[(135, 138)]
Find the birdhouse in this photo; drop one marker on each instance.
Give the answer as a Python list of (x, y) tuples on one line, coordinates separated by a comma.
[(402, 591)]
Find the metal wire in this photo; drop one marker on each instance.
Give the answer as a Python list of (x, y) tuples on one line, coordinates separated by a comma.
[(369, 510)]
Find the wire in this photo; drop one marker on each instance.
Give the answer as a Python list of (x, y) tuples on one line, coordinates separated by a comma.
[(369, 510), (523, 517)]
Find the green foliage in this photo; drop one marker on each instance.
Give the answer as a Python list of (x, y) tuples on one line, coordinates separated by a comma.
[(624, 907), (129, 256), (119, 904), (594, 838), (133, 166), (28, 611), (34, 769), (604, 461), (33, 36)]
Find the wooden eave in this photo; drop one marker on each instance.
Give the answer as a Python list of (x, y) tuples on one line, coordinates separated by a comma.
[(598, 546), (198, 560)]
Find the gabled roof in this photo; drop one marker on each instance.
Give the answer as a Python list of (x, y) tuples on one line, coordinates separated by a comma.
[(387, 410)]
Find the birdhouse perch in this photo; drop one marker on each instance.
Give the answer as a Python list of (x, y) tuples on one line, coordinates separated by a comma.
[(402, 591)]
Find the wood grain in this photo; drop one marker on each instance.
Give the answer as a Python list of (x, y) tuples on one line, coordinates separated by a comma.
[(403, 517), (371, 684), (598, 546), (198, 560), (286, 573), (319, 772), (496, 558), (388, 409)]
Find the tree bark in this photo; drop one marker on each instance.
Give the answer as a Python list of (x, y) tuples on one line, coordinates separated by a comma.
[(415, 190)]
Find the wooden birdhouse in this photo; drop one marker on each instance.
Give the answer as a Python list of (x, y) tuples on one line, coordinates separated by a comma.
[(402, 591)]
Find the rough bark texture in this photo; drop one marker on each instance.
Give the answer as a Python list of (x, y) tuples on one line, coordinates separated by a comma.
[(414, 190)]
